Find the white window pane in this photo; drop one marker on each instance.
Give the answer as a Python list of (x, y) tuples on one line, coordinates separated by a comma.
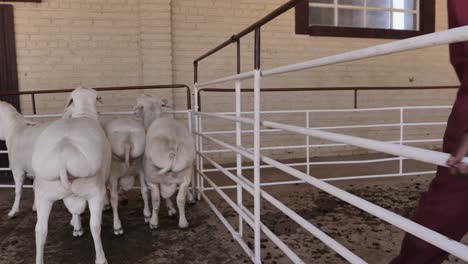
[(321, 1), (321, 16), (378, 19), (350, 17), (404, 21), (379, 3), (404, 4), (351, 2)]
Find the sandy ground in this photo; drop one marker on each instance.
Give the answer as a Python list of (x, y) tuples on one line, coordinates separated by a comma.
[(208, 241), (205, 241)]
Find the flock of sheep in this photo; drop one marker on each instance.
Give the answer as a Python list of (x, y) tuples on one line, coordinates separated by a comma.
[(76, 159)]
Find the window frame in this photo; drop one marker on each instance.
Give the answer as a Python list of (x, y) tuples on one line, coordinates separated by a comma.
[(426, 24)]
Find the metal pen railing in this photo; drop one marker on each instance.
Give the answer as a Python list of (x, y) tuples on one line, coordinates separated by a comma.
[(428, 156)]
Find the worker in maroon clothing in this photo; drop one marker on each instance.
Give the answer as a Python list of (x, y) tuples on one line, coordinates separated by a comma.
[(444, 207)]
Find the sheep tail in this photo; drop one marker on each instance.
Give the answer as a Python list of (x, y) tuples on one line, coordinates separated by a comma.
[(172, 156), (61, 148), (127, 150), (64, 177)]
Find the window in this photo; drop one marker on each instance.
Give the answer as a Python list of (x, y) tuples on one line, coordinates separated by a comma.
[(366, 18)]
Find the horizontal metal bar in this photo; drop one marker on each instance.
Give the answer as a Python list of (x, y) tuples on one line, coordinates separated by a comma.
[(429, 40), (120, 88), (240, 76), (261, 166), (339, 110), (424, 155), (243, 131), (106, 113), (11, 186), (426, 124), (324, 145), (366, 177)]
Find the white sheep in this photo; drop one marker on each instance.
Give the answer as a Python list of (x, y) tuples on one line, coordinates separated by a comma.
[(71, 161), (20, 136), (127, 138), (169, 157)]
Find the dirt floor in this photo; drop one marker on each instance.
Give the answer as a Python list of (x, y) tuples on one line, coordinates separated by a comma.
[(205, 241), (208, 241)]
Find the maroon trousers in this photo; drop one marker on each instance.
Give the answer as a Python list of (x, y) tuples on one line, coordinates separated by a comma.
[(444, 207)]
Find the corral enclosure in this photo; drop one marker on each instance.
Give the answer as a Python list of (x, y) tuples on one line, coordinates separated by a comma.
[(100, 43), (63, 43)]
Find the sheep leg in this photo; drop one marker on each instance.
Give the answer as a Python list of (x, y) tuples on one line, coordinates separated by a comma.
[(95, 208), (181, 198), (156, 199), (43, 211), (106, 203), (144, 195), (76, 207), (171, 211), (114, 199), (18, 176), (77, 227), (191, 196)]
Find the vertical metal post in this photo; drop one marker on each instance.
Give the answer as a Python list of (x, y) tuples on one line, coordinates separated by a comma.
[(195, 72), (308, 143), (200, 147), (238, 56), (239, 138), (402, 121), (33, 100), (355, 98), (189, 123), (257, 78), (239, 156), (197, 137)]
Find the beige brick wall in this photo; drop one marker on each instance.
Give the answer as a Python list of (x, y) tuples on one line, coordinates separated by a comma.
[(62, 43)]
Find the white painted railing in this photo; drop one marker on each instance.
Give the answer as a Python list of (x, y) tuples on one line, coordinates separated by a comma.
[(399, 150), (401, 114)]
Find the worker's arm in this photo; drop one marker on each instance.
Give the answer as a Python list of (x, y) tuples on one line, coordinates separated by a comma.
[(456, 166)]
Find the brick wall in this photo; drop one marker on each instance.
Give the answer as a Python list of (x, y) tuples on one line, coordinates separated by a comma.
[(64, 43)]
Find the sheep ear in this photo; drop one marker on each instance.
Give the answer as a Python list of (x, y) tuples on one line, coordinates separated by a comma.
[(69, 102)]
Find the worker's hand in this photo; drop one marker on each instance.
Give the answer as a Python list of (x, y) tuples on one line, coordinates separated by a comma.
[(457, 167)]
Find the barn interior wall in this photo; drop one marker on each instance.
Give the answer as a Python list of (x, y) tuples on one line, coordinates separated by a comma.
[(64, 43)]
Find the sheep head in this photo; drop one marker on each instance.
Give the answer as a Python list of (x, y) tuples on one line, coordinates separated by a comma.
[(9, 116), (148, 107), (82, 102)]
